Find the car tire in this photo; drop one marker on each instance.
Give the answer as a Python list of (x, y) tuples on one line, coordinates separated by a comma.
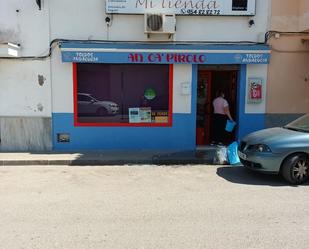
[(102, 112), (295, 169)]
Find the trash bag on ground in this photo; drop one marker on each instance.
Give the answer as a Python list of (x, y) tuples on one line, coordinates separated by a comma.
[(220, 156), (232, 153)]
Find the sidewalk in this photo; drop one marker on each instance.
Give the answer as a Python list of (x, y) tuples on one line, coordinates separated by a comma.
[(156, 157)]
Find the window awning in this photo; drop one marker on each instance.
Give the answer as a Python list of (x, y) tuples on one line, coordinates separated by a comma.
[(102, 52)]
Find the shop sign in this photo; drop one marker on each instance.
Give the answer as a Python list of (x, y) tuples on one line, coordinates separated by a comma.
[(255, 86), (169, 58), (85, 57), (165, 58), (252, 58), (183, 7)]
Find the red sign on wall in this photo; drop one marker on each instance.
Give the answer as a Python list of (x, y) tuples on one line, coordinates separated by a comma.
[(255, 86)]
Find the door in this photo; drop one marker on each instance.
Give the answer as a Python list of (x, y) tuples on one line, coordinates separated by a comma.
[(204, 108), (226, 81), (210, 82)]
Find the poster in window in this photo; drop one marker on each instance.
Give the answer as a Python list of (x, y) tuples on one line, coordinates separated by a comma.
[(255, 87), (134, 116), (145, 114), (140, 115), (159, 116)]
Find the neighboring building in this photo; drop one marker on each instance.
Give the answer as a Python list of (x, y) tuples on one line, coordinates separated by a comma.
[(108, 84), (288, 81)]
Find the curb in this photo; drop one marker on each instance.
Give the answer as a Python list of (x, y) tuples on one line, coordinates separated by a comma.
[(111, 162)]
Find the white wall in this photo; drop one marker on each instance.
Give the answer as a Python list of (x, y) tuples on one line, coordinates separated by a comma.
[(21, 94), (28, 27), (79, 19), (181, 102), (21, 22), (62, 90)]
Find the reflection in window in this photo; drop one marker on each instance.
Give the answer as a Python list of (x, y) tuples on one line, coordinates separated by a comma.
[(122, 94)]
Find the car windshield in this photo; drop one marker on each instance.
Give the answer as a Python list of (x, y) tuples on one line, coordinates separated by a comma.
[(301, 124)]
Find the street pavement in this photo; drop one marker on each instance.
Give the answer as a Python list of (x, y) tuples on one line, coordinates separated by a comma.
[(150, 207)]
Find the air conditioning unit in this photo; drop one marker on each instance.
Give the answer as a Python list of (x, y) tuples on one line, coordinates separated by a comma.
[(160, 23)]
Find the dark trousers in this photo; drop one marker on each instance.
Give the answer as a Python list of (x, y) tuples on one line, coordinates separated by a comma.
[(219, 123)]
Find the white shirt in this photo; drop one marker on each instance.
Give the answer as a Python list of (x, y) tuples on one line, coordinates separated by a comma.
[(219, 104)]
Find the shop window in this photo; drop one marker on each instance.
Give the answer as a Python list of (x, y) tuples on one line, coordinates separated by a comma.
[(122, 94)]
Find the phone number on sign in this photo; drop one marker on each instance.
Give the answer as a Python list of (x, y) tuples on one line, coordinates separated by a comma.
[(201, 12)]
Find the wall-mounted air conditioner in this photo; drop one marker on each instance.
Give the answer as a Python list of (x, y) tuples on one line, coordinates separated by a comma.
[(9, 49), (160, 23)]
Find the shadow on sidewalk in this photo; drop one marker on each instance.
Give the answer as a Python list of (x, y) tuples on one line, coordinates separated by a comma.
[(108, 157), (142, 158), (241, 175)]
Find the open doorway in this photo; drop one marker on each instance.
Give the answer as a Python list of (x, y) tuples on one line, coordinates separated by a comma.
[(212, 79)]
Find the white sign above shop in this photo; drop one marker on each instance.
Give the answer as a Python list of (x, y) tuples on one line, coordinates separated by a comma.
[(183, 7)]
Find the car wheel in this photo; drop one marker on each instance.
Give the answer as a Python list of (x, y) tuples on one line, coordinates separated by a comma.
[(102, 112), (295, 169)]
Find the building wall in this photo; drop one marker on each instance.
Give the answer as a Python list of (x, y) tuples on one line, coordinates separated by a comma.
[(25, 105), (288, 88), (71, 19), (285, 15), (25, 96), (23, 23), (290, 15), (25, 88), (304, 13), (180, 136), (25, 134), (289, 77), (33, 29)]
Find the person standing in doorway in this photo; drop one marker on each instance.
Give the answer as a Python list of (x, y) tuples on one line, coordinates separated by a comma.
[(221, 114)]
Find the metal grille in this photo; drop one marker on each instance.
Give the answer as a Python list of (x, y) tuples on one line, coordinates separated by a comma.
[(154, 22), (242, 146)]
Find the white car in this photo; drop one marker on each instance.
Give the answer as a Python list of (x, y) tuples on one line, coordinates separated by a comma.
[(88, 105)]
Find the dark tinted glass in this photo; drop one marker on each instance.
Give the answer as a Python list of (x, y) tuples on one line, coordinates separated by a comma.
[(240, 5), (131, 93)]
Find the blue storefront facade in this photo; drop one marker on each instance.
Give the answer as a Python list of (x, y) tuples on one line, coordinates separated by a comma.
[(177, 131)]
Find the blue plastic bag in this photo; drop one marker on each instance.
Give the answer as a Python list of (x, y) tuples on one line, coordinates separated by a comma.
[(232, 153)]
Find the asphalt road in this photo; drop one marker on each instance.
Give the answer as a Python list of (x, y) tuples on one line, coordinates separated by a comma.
[(150, 207)]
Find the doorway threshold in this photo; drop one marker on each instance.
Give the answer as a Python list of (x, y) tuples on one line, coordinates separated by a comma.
[(206, 147)]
